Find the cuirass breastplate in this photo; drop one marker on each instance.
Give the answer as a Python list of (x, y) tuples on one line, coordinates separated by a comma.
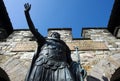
[(54, 50), (53, 55)]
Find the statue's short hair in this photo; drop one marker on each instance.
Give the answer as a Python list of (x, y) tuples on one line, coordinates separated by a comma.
[(55, 35)]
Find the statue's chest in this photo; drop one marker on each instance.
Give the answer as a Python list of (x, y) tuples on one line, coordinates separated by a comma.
[(54, 51), (54, 48)]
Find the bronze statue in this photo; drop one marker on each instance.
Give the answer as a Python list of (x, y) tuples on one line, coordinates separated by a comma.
[(52, 62)]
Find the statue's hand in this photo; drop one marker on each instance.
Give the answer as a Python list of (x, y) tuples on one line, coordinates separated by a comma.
[(27, 7)]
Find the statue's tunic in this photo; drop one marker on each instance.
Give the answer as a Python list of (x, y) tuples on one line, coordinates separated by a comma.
[(52, 63)]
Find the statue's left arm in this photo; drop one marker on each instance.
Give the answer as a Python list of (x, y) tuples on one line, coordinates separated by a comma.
[(37, 35)]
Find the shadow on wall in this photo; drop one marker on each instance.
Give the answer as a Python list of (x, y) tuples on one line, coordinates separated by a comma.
[(91, 78), (3, 75)]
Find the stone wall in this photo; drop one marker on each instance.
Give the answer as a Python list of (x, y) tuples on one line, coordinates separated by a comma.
[(16, 54), (108, 61)]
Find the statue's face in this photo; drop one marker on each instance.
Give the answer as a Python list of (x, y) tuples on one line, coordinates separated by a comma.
[(55, 35)]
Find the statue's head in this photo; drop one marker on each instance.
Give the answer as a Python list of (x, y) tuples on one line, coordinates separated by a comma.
[(55, 35)]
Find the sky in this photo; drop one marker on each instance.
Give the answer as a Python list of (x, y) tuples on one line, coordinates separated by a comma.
[(75, 14)]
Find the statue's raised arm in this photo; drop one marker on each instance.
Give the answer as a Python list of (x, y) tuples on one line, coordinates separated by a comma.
[(38, 36), (27, 7)]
